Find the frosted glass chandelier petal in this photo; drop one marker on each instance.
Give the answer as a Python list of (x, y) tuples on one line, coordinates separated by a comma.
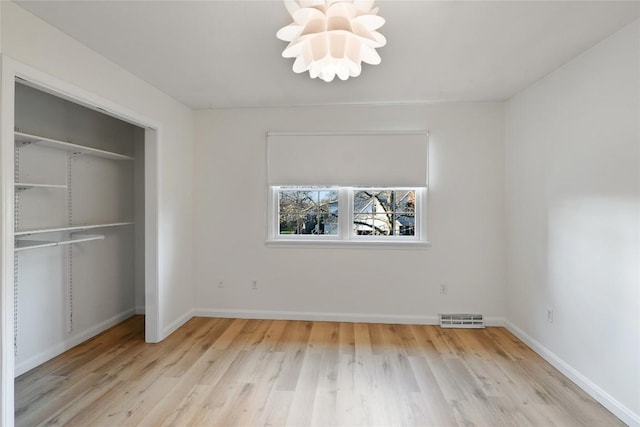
[(332, 38)]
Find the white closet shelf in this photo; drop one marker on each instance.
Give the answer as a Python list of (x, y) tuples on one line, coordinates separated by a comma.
[(25, 138), (21, 186), (22, 245), (70, 229)]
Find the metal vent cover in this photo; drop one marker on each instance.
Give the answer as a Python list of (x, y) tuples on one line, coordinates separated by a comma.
[(461, 321)]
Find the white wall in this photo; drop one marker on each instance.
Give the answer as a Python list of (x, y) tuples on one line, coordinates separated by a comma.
[(30, 41), (573, 210), (465, 220)]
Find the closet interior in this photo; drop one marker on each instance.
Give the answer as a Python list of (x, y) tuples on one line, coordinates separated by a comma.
[(78, 224)]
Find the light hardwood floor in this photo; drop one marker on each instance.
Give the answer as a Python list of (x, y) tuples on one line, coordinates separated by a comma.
[(234, 372)]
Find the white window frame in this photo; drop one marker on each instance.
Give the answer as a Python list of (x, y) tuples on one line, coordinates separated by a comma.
[(346, 235)]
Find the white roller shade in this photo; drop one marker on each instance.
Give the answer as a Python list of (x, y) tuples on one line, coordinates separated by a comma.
[(396, 159)]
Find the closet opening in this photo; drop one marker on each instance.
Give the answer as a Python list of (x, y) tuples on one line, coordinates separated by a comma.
[(80, 243)]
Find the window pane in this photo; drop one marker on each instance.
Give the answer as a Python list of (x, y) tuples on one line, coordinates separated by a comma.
[(383, 201), (328, 225), (308, 200), (382, 224), (362, 202), (407, 225), (363, 224), (328, 201), (288, 201), (405, 201), (291, 224), (296, 201)]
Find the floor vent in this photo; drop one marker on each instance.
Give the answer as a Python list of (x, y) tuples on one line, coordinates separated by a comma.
[(461, 321)]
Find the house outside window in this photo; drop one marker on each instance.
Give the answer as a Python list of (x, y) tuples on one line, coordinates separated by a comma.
[(386, 212)]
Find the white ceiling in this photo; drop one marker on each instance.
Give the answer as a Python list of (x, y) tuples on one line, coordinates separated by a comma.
[(216, 54)]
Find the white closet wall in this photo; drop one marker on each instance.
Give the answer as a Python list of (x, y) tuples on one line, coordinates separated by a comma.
[(66, 293)]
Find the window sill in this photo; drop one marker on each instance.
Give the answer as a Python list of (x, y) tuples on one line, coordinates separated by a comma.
[(344, 244)]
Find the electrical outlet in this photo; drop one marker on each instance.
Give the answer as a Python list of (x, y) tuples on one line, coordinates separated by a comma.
[(549, 315), (220, 284), (254, 284), (444, 289)]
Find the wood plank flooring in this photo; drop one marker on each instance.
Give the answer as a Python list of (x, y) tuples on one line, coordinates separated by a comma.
[(237, 372)]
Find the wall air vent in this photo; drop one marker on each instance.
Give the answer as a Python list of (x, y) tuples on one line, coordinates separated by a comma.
[(461, 321)]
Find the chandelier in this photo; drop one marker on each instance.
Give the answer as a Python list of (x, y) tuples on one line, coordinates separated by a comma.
[(332, 38)]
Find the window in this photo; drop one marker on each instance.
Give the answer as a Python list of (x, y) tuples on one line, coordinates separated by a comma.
[(361, 188), (347, 214)]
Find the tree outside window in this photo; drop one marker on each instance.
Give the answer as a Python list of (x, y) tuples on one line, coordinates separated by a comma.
[(308, 212)]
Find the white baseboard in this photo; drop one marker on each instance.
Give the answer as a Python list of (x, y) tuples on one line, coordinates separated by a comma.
[(171, 328), (618, 409), (139, 309), (401, 319), (316, 316), (495, 321), (74, 340)]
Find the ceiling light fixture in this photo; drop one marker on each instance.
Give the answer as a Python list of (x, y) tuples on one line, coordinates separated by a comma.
[(332, 37)]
